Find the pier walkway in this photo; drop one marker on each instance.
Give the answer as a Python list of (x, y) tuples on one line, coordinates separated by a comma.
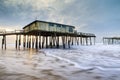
[(40, 39), (41, 34)]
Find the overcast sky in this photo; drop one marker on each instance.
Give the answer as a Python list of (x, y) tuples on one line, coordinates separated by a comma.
[(101, 17)]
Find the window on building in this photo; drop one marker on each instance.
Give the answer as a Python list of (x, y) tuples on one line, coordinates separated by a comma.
[(51, 24), (70, 29), (58, 25), (63, 26)]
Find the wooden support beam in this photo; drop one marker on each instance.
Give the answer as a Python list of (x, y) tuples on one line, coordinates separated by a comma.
[(2, 42), (53, 40), (36, 45), (77, 40), (72, 40), (27, 41), (103, 40), (57, 42), (112, 41), (5, 41), (19, 42), (63, 41), (68, 42), (24, 41), (81, 42), (16, 42), (46, 41), (30, 41), (50, 41), (90, 41), (43, 40), (39, 41), (33, 42), (86, 41)]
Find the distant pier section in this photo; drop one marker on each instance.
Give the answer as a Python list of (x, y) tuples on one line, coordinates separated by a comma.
[(42, 34), (111, 40)]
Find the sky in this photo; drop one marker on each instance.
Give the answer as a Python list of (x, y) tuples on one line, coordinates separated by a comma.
[(101, 17)]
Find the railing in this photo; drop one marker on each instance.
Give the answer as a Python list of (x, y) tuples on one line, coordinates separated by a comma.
[(85, 34), (111, 37), (10, 32), (2, 31), (19, 31)]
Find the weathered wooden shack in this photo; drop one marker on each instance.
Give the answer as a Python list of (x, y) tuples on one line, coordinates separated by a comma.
[(48, 27)]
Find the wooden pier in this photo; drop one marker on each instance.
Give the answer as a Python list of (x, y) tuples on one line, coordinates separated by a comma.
[(111, 40), (42, 34)]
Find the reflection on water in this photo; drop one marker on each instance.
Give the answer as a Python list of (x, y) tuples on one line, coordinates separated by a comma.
[(30, 55), (28, 64), (13, 61), (23, 53)]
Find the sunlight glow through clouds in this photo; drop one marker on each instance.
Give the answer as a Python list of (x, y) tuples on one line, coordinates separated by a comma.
[(94, 16), (50, 9), (9, 28)]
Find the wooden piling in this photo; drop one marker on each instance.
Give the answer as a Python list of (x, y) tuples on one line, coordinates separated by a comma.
[(43, 40), (24, 41), (36, 45), (53, 40), (46, 41), (90, 41), (72, 40), (39, 41), (57, 42), (50, 41), (68, 42), (77, 40), (86, 40), (103, 41), (5, 42), (27, 41), (19, 43), (2, 42), (81, 40), (112, 41), (16, 42), (33, 42), (63, 41), (30, 41)]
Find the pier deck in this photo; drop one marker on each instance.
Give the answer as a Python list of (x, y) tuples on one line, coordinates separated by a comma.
[(42, 34)]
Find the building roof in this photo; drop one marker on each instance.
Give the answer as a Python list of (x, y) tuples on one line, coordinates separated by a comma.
[(47, 22)]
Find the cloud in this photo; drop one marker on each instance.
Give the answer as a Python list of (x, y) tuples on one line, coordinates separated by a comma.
[(43, 9), (9, 28), (2, 29), (83, 27), (71, 12), (84, 14)]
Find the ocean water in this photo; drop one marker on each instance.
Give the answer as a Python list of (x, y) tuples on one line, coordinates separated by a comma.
[(53, 64), (32, 64)]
